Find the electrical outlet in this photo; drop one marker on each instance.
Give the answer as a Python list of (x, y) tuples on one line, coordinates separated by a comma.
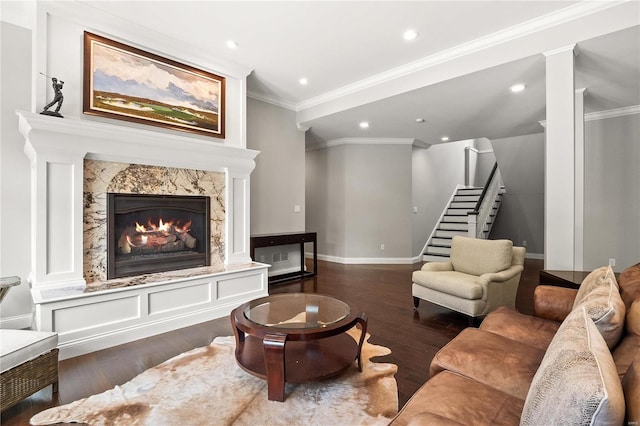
[(381, 246), (524, 243), (612, 262)]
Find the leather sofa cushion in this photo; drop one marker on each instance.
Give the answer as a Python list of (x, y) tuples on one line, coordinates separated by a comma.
[(629, 346), (451, 399), (630, 284), (553, 303), (527, 329), (599, 295), (450, 282), (577, 381), (491, 359), (631, 387), (475, 256)]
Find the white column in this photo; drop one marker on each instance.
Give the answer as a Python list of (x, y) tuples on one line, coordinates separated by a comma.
[(579, 181), (560, 160)]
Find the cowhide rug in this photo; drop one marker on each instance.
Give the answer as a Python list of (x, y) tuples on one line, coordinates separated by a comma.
[(205, 386)]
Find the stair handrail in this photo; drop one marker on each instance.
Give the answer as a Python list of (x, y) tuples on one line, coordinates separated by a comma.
[(477, 218)]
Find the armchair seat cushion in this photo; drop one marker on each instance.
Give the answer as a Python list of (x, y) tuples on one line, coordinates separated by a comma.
[(450, 282)]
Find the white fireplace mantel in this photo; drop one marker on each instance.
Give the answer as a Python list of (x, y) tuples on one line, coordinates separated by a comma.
[(57, 148), (88, 317)]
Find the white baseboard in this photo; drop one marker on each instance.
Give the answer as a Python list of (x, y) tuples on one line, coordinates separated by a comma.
[(370, 260), (538, 256), (18, 322), (388, 260)]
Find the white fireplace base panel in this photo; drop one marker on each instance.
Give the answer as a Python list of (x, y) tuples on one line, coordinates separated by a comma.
[(94, 320)]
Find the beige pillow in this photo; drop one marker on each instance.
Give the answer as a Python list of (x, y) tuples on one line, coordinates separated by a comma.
[(600, 295), (476, 256), (577, 382), (595, 279)]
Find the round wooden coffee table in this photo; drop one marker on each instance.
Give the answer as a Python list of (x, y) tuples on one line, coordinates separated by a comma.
[(296, 338)]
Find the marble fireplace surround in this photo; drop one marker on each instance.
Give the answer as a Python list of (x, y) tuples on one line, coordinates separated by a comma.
[(72, 298)]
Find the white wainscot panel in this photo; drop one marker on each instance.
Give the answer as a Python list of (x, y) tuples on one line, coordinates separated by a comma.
[(88, 322), (179, 298), (96, 314), (234, 288)]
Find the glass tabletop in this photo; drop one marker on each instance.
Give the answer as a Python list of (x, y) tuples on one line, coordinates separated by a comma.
[(296, 310)]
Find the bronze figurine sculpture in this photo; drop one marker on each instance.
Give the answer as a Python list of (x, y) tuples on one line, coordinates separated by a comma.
[(58, 98)]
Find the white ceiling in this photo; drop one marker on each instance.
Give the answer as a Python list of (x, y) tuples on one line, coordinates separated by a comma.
[(336, 45)]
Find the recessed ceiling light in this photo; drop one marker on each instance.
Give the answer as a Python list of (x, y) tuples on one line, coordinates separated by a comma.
[(410, 35), (232, 44), (303, 81), (364, 124), (517, 87), (419, 120), (444, 138)]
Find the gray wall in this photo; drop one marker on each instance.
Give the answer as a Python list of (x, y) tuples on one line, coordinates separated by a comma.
[(277, 182), (15, 226), (612, 192), (326, 202), (378, 201), (436, 173), (358, 198), (521, 216)]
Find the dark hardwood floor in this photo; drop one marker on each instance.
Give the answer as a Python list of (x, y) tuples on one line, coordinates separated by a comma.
[(382, 291)]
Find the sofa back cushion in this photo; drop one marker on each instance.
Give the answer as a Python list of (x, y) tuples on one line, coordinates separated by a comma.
[(475, 256), (629, 283), (599, 294), (631, 387), (577, 382)]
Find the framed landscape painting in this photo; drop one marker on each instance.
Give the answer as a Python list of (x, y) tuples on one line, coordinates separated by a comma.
[(126, 83)]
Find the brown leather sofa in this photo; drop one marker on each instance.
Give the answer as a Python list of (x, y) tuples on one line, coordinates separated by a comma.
[(488, 375)]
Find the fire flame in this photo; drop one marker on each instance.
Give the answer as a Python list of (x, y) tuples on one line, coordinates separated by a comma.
[(163, 227), (168, 234)]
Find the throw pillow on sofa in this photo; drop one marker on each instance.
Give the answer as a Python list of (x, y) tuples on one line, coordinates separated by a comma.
[(577, 382), (600, 295)]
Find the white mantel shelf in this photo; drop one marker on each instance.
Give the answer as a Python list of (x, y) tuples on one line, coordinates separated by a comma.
[(94, 316), (108, 142)]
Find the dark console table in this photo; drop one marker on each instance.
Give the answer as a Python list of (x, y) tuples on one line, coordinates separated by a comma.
[(258, 241)]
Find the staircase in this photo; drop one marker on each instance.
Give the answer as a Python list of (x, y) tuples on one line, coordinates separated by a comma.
[(454, 221)]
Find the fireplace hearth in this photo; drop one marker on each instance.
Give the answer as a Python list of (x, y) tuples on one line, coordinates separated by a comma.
[(156, 233)]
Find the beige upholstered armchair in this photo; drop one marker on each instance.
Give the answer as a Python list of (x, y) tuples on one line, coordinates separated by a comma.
[(480, 276)]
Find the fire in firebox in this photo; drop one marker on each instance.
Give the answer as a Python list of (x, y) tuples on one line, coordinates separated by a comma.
[(152, 238)]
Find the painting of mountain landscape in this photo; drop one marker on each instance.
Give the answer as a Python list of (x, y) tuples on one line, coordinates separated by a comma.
[(130, 84)]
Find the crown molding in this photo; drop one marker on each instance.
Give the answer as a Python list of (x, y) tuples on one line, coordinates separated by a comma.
[(282, 103), (610, 113), (532, 26), (617, 112), (367, 141)]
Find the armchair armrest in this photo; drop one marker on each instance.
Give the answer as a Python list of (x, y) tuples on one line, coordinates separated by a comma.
[(437, 266), (553, 303), (501, 276)]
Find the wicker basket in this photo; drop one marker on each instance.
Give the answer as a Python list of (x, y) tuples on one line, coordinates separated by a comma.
[(28, 378)]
